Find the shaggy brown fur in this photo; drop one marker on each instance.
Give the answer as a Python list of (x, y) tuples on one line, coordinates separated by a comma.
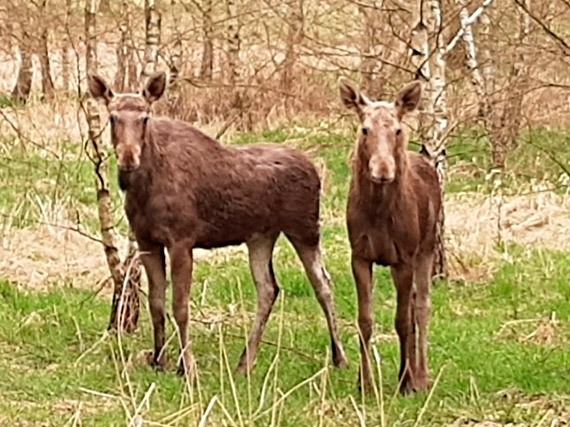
[(186, 190), (392, 211)]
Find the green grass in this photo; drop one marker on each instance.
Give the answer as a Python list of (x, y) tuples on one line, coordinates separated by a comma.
[(479, 341), (502, 347), (38, 186)]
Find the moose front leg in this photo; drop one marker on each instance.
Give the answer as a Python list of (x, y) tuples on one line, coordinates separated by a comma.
[(181, 266), (403, 276), (153, 260), (362, 271)]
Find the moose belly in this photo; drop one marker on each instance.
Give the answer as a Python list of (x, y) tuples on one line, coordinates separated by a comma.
[(231, 221)]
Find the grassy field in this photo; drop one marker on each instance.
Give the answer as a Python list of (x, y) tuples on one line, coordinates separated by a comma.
[(500, 347)]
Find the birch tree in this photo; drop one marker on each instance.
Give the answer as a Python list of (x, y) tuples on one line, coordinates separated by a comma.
[(152, 38), (125, 276), (429, 66), (232, 42)]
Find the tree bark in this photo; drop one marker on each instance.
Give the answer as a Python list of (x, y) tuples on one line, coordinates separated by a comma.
[(207, 65), (47, 82), (434, 118), (233, 43), (23, 87), (132, 57), (152, 38), (371, 49), (126, 277), (295, 22), (122, 52), (65, 63)]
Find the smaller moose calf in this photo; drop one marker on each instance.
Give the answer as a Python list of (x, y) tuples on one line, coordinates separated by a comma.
[(393, 207)]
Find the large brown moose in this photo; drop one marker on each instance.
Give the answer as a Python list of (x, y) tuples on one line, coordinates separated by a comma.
[(393, 207), (185, 190)]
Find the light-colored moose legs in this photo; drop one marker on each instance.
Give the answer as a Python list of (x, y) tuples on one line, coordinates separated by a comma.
[(403, 276), (153, 261), (181, 266), (322, 285), (260, 250), (362, 271), (422, 309)]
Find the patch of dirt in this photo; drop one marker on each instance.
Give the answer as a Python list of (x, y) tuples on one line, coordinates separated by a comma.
[(475, 223), (46, 256)]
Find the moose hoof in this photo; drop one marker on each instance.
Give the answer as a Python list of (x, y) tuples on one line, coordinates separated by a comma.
[(421, 383), (340, 360), (364, 384), (187, 368), (407, 387), (157, 363)]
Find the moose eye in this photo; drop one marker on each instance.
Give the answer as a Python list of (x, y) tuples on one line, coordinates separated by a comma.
[(364, 131), (145, 120), (398, 132)]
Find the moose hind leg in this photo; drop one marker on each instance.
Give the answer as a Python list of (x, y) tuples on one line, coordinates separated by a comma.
[(322, 284), (422, 310), (260, 249)]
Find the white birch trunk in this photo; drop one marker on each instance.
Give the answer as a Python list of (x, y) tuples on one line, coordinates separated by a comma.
[(471, 61), (233, 43), (434, 119), (152, 38)]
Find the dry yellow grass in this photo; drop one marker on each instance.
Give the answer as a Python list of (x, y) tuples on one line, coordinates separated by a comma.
[(46, 255)]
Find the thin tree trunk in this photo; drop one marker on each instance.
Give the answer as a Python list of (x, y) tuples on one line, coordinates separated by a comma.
[(207, 65), (126, 278), (152, 38), (518, 83), (371, 49), (233, 43), (233, 40), (434, 120), (132, 57), (122, 52), (65, 63), (295, 21), (175, 65), (47, 82), (23, 87)]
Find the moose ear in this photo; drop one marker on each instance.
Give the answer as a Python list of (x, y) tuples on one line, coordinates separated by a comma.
[(351, 97), (99, 89), (408, 99), (154, 88)]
